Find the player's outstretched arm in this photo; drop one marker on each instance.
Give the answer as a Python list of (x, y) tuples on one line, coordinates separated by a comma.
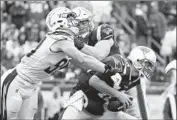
[(84, 59)]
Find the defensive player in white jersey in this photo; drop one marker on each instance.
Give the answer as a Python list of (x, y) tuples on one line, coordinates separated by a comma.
[(169, 111), (19, 98), (170, 67)]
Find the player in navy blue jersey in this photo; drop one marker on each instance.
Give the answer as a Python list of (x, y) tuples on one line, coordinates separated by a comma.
[(97, 93)]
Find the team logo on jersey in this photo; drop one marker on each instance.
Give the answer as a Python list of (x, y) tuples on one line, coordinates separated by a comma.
[(106, 29), (118, 65)]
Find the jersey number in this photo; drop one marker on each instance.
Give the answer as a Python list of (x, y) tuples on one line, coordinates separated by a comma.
[(60, 65)]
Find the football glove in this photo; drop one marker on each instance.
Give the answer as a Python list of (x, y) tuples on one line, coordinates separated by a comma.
[(115, 105), (78, 42)]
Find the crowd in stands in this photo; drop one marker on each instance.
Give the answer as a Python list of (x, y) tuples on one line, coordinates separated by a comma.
[(23, 26)]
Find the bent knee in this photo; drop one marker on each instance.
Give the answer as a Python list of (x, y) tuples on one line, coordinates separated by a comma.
[(124, 116)]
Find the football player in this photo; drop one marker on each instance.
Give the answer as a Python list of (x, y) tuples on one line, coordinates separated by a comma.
[(96, 93), (19, 98), (102, 40), (169, 111), (170, 69)]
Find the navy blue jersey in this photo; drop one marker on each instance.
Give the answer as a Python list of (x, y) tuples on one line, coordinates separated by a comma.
[(128, 81), (95, 101), (103, 32)]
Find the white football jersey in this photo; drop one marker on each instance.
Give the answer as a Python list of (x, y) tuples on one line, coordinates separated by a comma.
[(41, 62)]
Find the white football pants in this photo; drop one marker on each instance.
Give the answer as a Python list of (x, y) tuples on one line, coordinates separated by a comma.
[(19, 98)]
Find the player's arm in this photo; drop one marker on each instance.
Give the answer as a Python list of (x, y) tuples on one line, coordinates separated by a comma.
[(103, 87), (104, 35), (90, 62), (100, 50)]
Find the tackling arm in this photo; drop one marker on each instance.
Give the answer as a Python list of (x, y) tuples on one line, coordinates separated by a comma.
[(85, 60)]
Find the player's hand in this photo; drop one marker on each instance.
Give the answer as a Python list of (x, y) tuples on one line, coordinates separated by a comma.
[(79, 42), (106, 32), (125, 99)]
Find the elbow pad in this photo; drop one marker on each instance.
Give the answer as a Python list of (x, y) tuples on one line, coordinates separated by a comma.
[(106, 32)]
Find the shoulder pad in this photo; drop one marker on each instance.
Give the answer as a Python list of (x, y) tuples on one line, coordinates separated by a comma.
[(105, 31), (116, 61), (102, 32), (120, 62), (61, 35)]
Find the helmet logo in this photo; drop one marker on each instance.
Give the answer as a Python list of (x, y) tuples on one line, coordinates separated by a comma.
[(63, 15), (145, 51)]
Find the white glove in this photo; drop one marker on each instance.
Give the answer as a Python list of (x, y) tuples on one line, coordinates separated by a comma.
[(77, 100), (117, 80)]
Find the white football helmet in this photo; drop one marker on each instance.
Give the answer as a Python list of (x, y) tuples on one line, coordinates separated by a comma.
[(85, 19), (62, 18), (171, 66), (143, 59)]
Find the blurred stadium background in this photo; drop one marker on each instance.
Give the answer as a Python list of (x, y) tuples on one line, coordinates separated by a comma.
[(147, 23)]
